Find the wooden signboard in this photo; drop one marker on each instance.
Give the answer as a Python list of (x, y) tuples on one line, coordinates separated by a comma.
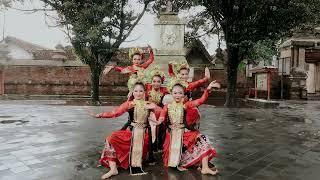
[(262, 81), (312, 55)]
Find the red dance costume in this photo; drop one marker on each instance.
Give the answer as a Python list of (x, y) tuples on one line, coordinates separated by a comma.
[(118, 146), (194, 113), (134, 68), (184, 145), (195, 85)]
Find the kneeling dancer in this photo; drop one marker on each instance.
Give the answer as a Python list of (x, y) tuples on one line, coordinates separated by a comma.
[(184, 145), (128, 147)]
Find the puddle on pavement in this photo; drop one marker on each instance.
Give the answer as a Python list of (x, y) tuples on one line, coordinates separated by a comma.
[(62, 122), (13, 121), (118, 101), (89, 159), (4, 117), (83, 102), (298, 119), (81, 166)]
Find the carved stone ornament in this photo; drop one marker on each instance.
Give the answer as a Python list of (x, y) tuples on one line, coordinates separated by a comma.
[(170, 38)]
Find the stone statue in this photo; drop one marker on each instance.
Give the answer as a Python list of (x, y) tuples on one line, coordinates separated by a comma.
[(169, 6)]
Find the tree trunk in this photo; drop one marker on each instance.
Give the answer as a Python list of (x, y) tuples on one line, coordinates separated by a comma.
[(95, 79), (232, 69)]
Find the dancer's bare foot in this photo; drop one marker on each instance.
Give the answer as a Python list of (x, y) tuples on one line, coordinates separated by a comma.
[(209, 171), (181, 168), (109, 174), (212, 168)]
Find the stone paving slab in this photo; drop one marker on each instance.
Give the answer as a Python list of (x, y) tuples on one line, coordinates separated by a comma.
[(57, 142)]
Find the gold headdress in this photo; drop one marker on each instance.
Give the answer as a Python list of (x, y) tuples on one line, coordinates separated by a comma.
[(134, 51), (133, 80), (176, 81), (154, 71), (174, 67)]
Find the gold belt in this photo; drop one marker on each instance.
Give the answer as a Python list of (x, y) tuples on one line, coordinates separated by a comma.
[(138, 125), (176, 126)]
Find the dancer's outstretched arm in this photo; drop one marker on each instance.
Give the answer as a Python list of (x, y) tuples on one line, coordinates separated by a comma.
[(154, 108), (196, 84), (197, 102), (204, 97), (150, 60), (163, 114), (119, 68), (124, 107), (108, 68), (170, 70)]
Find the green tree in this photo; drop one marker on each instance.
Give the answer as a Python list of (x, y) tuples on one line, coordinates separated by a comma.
[(4, 4), (246, 22), (262, 51), (97, 29)]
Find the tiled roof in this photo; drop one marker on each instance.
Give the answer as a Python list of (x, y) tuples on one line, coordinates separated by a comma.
[(30, 47), (40, 52), (121, 57), (197, 45)]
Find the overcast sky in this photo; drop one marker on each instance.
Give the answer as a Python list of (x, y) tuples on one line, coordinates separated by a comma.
[(32, 27)]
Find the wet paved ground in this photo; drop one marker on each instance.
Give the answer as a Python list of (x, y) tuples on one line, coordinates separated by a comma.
[(46, 140)]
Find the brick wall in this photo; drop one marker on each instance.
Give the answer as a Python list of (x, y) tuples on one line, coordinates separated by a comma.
[(75, 80), (57, 80)]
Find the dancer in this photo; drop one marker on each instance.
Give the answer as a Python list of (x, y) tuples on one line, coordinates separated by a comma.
[(181, 70), (137, 56), (155, 90), (184, 145), (128, 147), (155, 93)]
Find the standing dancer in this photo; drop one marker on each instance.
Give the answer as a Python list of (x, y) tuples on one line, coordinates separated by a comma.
[(137, 56), (128, 147), (184, 146), (181, 70)]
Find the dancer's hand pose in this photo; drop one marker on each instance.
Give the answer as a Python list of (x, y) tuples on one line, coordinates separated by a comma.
[(136, 55), (214, 84)]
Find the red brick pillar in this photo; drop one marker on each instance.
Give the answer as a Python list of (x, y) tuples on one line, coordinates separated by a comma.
[(1, 82)]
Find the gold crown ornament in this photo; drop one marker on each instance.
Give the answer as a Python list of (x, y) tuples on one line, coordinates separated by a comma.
[(134, 79), (177, 66), (154, 71), (134, 51), (176, 81)]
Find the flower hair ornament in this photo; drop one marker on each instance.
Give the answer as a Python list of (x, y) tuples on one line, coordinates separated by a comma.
[(154, 71), (134, 51), (174, 67), (176, 81)]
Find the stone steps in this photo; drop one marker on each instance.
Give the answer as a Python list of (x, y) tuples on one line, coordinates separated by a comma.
[(315, 96)]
